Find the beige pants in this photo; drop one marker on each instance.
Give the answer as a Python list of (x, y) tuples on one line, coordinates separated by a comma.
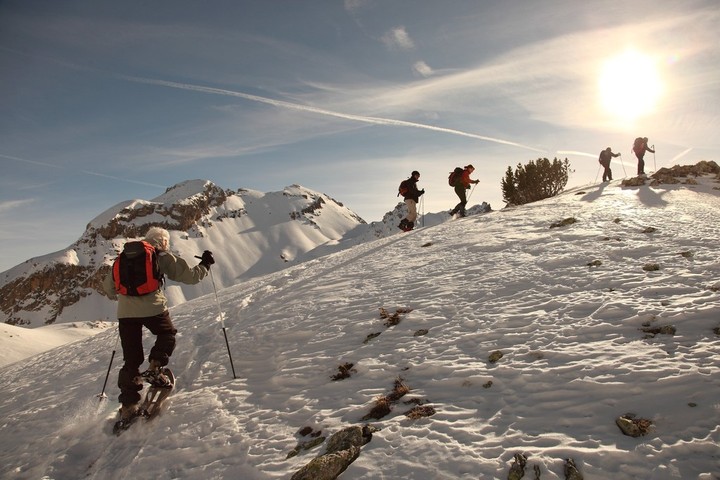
[(412, 210)]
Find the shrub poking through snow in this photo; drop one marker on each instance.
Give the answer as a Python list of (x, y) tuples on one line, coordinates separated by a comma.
[(663, 330), (371, 336), (517, 469), (394, 318), (383, 404), (420, 411), (344, 371)]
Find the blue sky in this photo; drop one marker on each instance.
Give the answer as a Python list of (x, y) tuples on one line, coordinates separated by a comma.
[(105, 101)]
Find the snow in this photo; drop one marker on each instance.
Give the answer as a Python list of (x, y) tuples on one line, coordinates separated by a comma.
[(566, 306), (18, 343)]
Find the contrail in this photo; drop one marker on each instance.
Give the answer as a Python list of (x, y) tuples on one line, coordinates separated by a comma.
[(86, 172), (680, 155), (573, 152), (321, 111)]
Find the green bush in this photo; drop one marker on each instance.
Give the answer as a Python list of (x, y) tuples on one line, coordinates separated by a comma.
[(536, 180)]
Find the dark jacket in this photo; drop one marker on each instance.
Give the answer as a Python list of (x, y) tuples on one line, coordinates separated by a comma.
[(605, 156), (412, 193)]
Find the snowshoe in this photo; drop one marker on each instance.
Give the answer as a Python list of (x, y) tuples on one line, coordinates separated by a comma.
[(152, 404)]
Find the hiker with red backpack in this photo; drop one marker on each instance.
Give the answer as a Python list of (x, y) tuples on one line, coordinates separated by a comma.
[(640, 146), (604, 160), (408, 189), (460, 180), (135, 281)]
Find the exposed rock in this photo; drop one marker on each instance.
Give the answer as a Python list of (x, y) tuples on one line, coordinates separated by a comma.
[(495, 356), (633, 427), (571, 471), (563, 223), (342, 449)]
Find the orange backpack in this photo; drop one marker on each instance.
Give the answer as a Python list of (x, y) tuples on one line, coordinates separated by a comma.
[(136, 271)]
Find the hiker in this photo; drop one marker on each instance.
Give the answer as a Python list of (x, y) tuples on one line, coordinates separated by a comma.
[(462, 183), (640, 146), (150, 311), (604, 160), (411, 194)]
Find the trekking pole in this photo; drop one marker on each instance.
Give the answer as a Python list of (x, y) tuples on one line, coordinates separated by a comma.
[(102, 395), (598, 173), (623, 165), (471, 192), (654, 164), (222, 322)]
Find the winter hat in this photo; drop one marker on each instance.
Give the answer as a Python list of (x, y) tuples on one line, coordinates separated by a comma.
[(470, 166), (158, 238), (415, 172)]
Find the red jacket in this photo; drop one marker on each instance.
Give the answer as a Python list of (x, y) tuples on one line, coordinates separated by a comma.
[(465, 180)]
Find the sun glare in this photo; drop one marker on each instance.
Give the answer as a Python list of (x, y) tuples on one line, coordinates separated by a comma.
[(629, 85)]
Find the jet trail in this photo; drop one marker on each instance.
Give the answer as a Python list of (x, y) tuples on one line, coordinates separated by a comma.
[(321, 111), (86, 172)]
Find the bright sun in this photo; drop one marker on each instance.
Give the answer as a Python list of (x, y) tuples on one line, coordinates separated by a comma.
[(630, 85)]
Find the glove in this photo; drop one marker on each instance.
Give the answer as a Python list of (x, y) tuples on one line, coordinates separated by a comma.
[(476, 182), (207, 259), (422, 192)]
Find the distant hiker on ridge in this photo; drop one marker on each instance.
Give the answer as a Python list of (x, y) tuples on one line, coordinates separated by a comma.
[(604, 160), (461, 182), (640, 146), (142, 303), (408, 189)]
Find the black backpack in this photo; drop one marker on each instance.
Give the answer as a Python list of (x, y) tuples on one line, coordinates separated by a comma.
[(136, 271), (403, 188)]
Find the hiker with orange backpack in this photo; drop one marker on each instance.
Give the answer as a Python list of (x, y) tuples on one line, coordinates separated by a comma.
[(461, 181), (135, 281), (408, 189)]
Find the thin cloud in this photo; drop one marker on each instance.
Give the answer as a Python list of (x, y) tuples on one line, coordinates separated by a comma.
[(398, 38), (423, 69), (320, 111), (13, 204)]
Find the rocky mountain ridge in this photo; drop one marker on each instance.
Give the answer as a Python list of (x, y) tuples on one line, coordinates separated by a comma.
[(67, 285)]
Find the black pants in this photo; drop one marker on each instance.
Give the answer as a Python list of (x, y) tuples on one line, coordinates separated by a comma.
[(131, 340), (641, 164), (607, 174), (460, 207)]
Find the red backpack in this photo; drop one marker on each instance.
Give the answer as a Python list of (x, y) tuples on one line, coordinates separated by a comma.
[(455, 176), (403, 188), (136, 271)]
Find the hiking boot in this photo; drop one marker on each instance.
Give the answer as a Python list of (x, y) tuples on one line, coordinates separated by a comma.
[(154, 375), (403, 224), (128, 412)]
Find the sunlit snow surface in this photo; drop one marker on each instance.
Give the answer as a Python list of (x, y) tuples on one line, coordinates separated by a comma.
[(574, 356)]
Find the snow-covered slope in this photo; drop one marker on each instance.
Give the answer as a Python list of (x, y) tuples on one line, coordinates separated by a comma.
[(252, 232), (581, 313)]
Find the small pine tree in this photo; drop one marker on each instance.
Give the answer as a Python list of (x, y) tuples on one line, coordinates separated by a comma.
[(536, 180)]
